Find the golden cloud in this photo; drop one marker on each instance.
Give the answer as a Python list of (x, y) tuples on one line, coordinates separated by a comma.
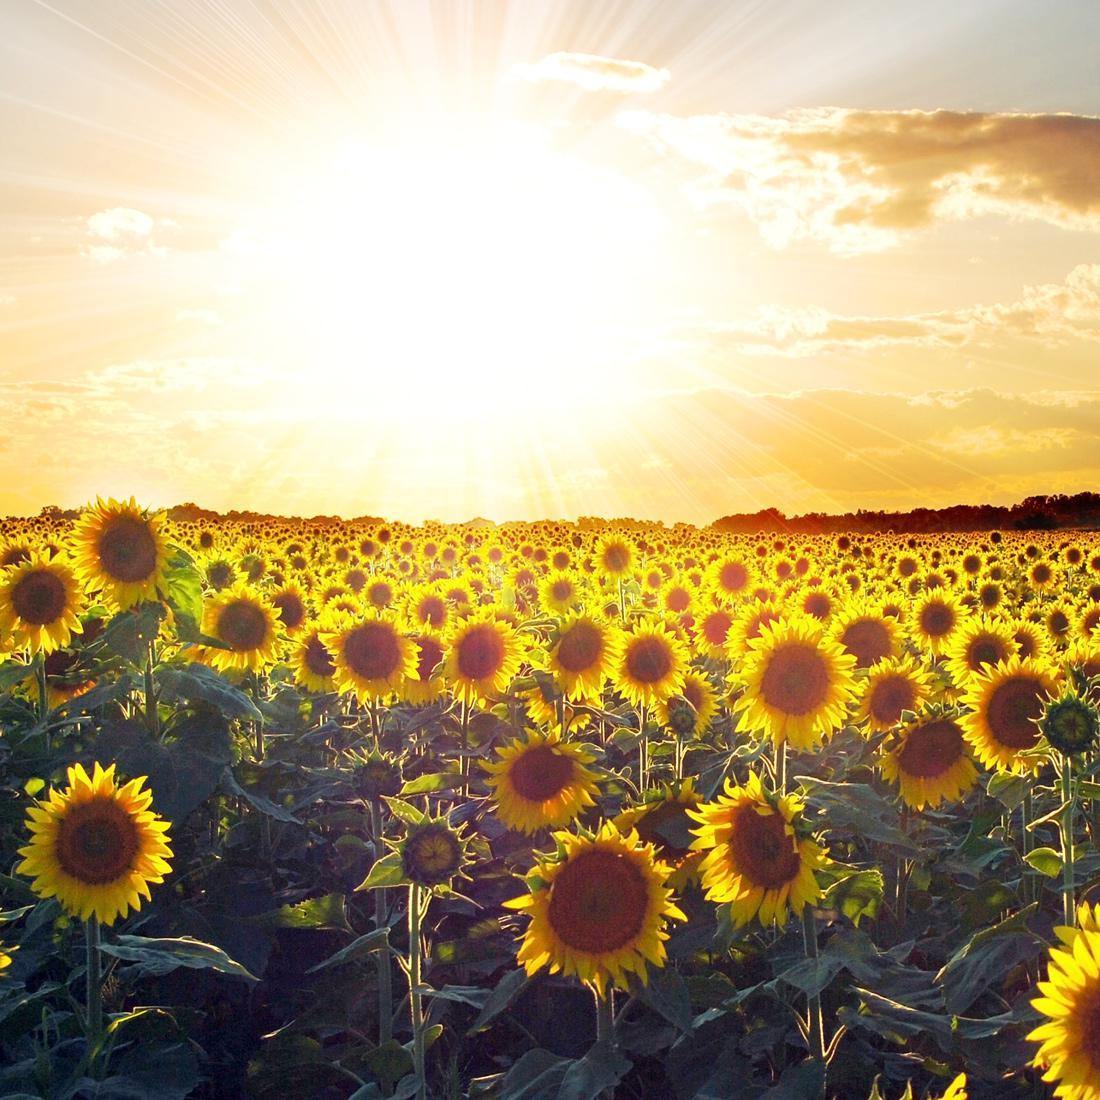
[(860, 181)]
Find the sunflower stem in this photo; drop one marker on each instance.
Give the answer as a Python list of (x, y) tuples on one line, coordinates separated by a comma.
[(416, 1008), (643, 750), (93, 1028), (43, 698), (779, 767), (464, 763), (813, 1003), (1069, 901), (385, 976), (1025, 839), (151, 717), (605, 1015)]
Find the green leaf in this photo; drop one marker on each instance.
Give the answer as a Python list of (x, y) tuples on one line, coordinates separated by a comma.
[(161, 956), (257, 801), (197, 683), (378, 940), (1045, 860), (405, 811), (1008, 788), (503, 994), (437, 781), (540, 1075), (388, 871), (802, 1082), (328, 911), (858, 808), (389, 1062), (183, 591), (856, 895), (985, 960), (129, 633), (668, 996)]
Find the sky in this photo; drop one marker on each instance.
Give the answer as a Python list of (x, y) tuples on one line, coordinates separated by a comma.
[(669, 259)]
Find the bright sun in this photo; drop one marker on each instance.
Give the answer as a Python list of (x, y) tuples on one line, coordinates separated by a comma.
[(453, 268)]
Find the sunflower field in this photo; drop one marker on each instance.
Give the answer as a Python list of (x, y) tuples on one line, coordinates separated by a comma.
[(305, 809)]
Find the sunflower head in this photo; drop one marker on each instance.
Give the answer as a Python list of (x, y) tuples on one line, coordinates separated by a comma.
[(40, 604), (598, 907), (759, 854), (376, 774), (246, 625), (433, 852), (929, 760), (662, 820), (541, 781), (120, 548), (96, 846), (1070, 724)]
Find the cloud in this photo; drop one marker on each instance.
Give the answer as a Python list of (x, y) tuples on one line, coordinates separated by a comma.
[(861, 181), (122, 231), (7, 299), (596, 74), (1052, 313)]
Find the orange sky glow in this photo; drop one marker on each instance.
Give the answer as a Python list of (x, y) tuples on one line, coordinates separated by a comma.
[(550, 258)]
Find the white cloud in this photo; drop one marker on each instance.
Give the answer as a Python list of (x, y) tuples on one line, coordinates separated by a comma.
[(121, 231), (595, 73)]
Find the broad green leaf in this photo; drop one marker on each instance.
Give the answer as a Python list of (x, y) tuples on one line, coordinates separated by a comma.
[(359, 948), (158, 956), (388, 871), (1045, 860)]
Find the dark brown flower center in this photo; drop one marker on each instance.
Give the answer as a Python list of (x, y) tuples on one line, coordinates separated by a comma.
[(931, 749), (38, 597), (796, 680), (242, 626), (616, 558), (291, 609), (868, 641), (432, 610), (541, 772), (985, 650), (648, 660), (318, 659), (581, 646), (733, 576), (1013, 708), (481, 652), (432, 855), (97, 842), (937, 619), (598, 902), (762, 849), (371, 651), (889, 697), (127, 550), (716, 627), (431, 653)]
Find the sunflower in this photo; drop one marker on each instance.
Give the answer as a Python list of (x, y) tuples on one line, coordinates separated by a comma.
[(40, 604), (757, 857), (311, 661), (373, 657), (433, 852), (428, 685), (662, 820), (650, 666), (729, 578), (712, 630), (1005, 702), (598, 909), (483, 654), (936, 616), (245, 623), (96, 846), (892, 686), (291, 606), (121, 549), (929, 761), (1030, 638), (540, 781), (978, 643), (798, 683), (427, 607), (688, 713), (1069, 1051), (559, 593), (614, 557), (581, 657), (866, 633)]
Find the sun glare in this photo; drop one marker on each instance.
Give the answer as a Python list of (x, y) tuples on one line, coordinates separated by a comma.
[(452, 265)]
